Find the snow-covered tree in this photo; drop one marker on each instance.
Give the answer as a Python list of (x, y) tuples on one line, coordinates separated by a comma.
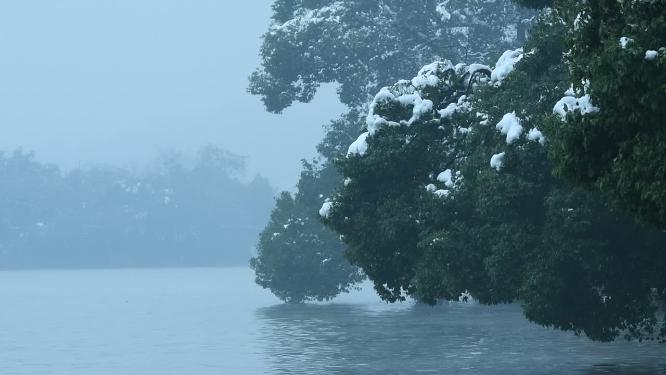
[(362, 46), (365, 45), (450, 190)]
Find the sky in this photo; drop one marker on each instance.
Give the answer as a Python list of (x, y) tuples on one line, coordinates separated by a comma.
[(119, 82)]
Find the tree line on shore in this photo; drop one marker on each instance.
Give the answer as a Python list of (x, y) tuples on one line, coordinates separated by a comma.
[(178, 211)]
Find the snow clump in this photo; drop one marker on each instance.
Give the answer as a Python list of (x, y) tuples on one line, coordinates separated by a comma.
[(510, 126), (624, 41), (497, 161), (441, 9), (651, 55), (325, 210), (405, 95), (505, 64), (428, 76), (441, 193), (449, 110), (359, 147), (536, 135), (571, 104), (446, 177)]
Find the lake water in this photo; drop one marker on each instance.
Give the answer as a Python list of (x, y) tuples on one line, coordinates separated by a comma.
[(216, 321)]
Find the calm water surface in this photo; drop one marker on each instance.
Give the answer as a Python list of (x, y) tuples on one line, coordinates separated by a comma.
[(216, 321)]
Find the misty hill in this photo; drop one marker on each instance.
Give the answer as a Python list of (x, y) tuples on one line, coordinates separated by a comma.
[(174, 213)]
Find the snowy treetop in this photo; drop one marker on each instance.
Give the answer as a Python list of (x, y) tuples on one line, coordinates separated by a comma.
[(357, 44)]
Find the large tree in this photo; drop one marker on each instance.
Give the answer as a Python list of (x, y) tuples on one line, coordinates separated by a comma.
[(450, 190), (362, 46)]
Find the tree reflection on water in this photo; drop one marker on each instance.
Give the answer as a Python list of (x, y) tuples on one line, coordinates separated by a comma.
[(374, 339)]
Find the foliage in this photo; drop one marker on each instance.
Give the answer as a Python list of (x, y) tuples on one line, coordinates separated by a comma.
[(299, 259), (364, 46), (618, 150), (172, 214), (425, 214), (535, 4)]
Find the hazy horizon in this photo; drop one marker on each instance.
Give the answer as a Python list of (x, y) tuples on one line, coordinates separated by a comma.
[(120, 82)]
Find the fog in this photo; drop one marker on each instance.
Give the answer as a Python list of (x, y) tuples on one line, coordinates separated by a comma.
[(123, 97), (120, 82), (477, 187)]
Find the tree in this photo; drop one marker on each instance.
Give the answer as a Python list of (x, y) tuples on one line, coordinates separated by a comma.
[(611, 136), (298, 259), (362, 46), (450, 190)]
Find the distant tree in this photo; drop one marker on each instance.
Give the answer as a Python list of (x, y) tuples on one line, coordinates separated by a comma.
[(27, 190), (451, 191), (174, 213)]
